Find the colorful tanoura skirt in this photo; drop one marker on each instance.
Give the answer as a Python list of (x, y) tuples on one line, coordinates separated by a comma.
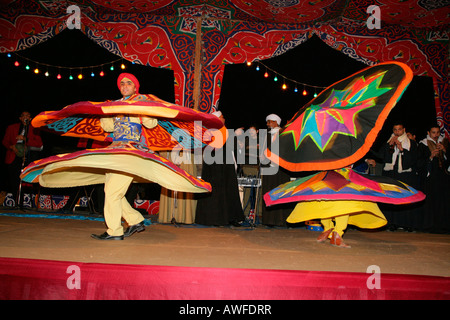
[(89, 166)]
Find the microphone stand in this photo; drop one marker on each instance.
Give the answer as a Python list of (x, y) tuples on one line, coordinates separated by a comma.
[(19, 197), (175, 206)]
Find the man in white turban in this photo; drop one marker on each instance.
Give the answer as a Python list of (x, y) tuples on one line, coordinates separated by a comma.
[(273, 122), (273, 176)]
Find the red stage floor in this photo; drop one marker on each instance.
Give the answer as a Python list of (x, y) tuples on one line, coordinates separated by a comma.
[(47, 258)]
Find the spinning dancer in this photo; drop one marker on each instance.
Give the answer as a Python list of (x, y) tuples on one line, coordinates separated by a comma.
[(139, 123), (333, 131), (126, 129)]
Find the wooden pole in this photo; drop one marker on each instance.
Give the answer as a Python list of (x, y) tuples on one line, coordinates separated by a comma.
[(198, 64)]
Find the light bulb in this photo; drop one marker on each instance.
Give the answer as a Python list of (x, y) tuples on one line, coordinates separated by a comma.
[(284, 86), (102, 73), (304, 92), (17, 63), (122, 66), (266, 75), (80, 76), (36, 70), (58, 76)]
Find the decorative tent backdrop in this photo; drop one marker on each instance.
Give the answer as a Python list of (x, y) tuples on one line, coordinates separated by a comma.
[(197, 38)]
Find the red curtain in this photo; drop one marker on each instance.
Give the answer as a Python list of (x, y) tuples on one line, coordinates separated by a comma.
[(42, 279)]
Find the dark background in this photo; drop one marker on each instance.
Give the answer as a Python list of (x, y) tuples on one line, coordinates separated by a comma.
[(246, 97)]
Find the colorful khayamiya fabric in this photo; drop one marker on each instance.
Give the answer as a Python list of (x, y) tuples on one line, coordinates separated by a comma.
[(344, 184), (162, 34), (177, 126), (338, 127)]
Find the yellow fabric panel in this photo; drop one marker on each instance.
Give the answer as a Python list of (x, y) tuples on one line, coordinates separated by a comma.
[(162, 112), (90, 169)]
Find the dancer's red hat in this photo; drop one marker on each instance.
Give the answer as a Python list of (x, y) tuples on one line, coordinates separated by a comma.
[(129, 76)]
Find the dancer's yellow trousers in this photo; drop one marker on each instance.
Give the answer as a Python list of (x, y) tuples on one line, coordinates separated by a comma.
[(339, 224), (116, 205)]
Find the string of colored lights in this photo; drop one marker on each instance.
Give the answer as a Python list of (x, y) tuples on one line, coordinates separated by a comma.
[(37, 67), (285, 79)]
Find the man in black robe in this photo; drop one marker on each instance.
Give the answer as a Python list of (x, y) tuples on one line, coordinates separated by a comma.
[(272, 176), (222, 206), (433, 165), (400, 163)]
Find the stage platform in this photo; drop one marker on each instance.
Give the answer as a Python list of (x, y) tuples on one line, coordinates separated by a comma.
[(380, 264)]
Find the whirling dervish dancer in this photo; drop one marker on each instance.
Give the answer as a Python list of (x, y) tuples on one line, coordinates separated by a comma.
[(138, 125), (329, 134)]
